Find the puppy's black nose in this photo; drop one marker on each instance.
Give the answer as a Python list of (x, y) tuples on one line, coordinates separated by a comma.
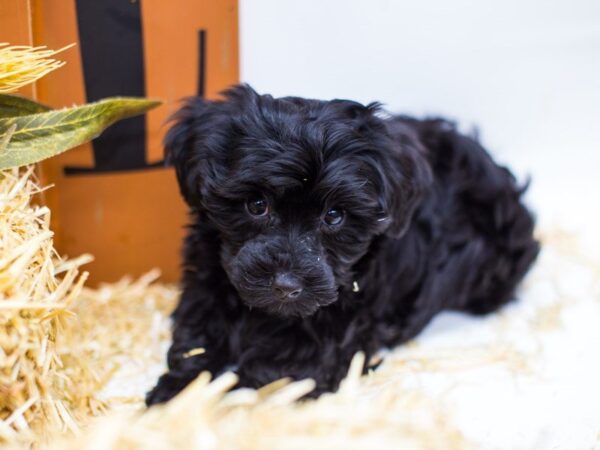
[(286, 286)]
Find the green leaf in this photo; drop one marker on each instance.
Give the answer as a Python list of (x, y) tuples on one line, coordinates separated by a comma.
[(13, 106), (40, 136)]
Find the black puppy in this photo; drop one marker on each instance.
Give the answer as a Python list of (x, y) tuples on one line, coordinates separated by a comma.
[(321, 228)]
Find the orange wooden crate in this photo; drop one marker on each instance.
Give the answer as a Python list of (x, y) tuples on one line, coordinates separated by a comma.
[(130, 219)]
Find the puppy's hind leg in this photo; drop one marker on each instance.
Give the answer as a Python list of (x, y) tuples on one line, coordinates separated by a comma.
[(490, 201), (510, 251), (500, 275)]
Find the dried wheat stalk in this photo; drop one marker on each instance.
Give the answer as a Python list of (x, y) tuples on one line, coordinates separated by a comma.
[(21, 65)]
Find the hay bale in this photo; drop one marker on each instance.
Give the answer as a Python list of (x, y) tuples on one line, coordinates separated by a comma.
[(59, 342), (36, 288)]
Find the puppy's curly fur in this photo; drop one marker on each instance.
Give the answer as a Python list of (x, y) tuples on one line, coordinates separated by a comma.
[(322, 228)]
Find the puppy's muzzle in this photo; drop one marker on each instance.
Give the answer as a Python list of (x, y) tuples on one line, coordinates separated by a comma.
[(283, 274)]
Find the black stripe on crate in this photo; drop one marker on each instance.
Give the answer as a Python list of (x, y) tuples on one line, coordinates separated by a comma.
[(111, 46)]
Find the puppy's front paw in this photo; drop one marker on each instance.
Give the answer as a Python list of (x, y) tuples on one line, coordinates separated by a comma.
[(168, 386)]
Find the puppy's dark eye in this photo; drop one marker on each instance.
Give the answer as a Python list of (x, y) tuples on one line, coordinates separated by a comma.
[(333, 217), (257, 206)]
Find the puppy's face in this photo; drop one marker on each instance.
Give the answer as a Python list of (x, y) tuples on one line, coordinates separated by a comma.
[(298, 189)]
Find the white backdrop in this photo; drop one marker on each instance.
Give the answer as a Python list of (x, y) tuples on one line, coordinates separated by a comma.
[(527, 73)]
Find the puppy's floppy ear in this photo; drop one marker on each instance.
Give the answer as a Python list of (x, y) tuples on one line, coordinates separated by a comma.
[(198, 132), (404, 183), (403, 174)]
